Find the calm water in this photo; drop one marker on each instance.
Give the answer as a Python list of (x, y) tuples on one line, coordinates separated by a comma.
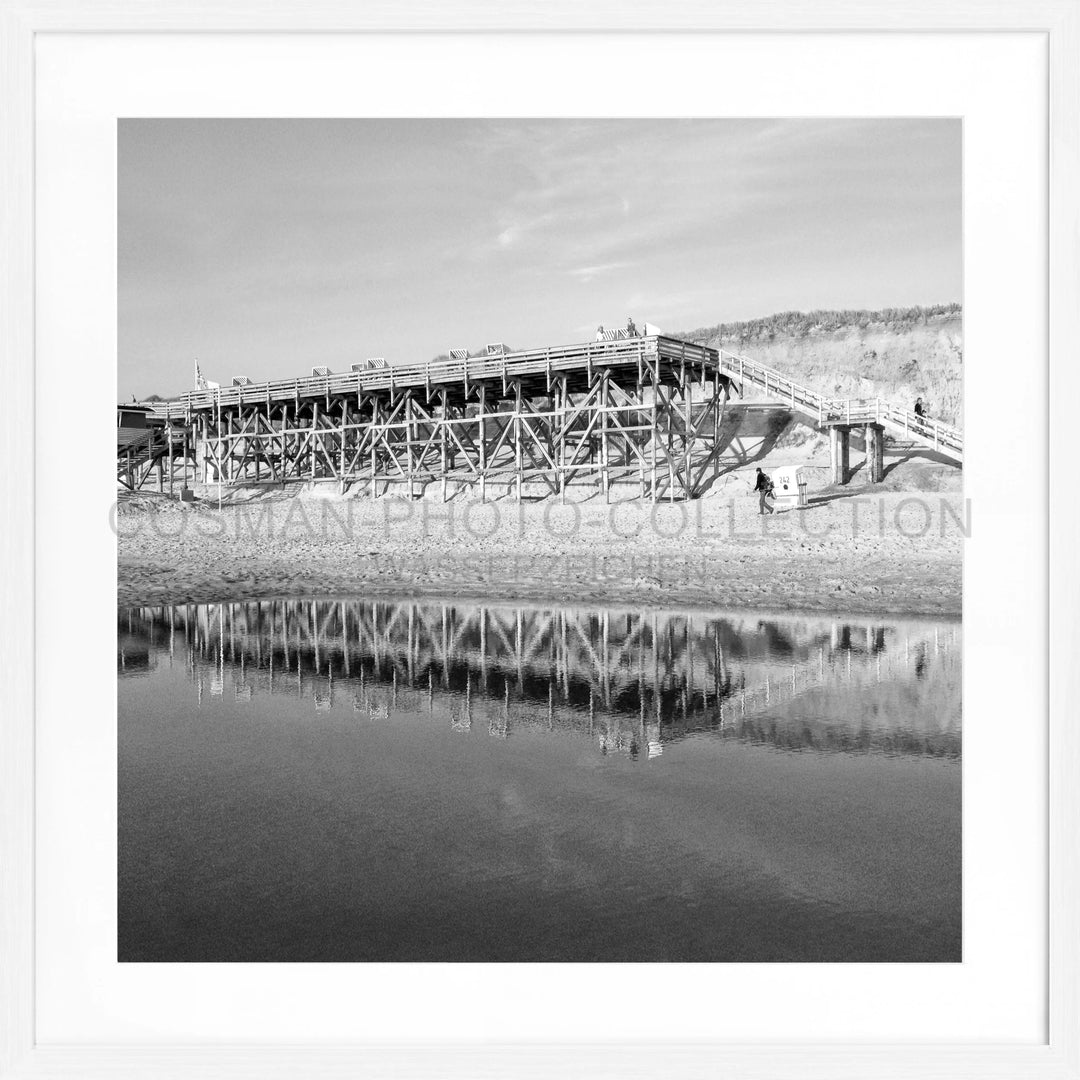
[(351, 780)]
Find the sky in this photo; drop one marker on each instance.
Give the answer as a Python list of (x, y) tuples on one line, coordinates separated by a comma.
[(265, 247)]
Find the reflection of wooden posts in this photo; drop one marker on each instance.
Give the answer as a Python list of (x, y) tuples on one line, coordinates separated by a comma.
[(445, 649), (517, 650), (483, 646), (606, 672)]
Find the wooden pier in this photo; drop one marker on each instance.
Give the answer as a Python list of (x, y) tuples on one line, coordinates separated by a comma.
[(643, 413)]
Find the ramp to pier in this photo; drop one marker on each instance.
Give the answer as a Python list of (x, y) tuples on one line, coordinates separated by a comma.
[(932, 434)]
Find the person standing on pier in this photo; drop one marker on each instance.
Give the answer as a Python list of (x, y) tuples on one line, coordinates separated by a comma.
[(631, 329)]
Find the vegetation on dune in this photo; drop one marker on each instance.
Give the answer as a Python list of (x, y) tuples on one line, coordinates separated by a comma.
[(802, 323), (896, 354)]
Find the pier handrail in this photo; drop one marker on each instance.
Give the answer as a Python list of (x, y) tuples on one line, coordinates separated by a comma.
[(874, 410), (437, 372), (933, 433)]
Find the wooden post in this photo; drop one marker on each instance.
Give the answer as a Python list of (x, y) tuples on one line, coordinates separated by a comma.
[(442, 430), (561, 434), (688, 417), (640, 394), (839, 447), (372, 447), (258, 441), (655, 433), (876, 453), (482, 434), (605, 476), (227, 446), (341, 448), (409, 439), (518, 464), (669, 450)]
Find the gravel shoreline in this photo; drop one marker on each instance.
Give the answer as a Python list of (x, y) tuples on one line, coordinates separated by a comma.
[(897, 553)]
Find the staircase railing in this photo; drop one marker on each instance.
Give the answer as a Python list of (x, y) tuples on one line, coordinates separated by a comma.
[(774, 382), (875, 411), (849, 410)]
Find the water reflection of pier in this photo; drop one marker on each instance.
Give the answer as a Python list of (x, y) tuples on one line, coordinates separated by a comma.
[(631, 680)]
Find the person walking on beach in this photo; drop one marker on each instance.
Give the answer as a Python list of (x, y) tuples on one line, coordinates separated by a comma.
[(764, 488)]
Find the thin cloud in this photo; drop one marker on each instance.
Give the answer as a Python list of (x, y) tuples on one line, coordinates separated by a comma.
[(584, 274)]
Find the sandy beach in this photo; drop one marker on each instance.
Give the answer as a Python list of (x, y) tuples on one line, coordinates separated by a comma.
[(887, 552)]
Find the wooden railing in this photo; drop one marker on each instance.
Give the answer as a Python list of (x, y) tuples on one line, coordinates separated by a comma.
[(743, 369), (933, 433), (459, 371), (135, 441), (875, 411)]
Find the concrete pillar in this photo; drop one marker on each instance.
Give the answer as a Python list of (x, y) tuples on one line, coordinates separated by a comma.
[(839, 449)]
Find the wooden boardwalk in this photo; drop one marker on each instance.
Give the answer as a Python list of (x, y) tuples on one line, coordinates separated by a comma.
[(641, 412)]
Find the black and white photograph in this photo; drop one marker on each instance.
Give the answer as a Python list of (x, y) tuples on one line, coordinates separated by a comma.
[(540, 540)]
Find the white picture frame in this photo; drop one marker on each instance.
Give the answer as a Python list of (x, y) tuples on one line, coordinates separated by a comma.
[(21, 1055)]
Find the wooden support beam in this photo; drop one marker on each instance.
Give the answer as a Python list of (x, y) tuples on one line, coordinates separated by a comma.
[(839, 441), (444, 463), (605, 475), (373, 461), (875, 451), (517, 437)]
